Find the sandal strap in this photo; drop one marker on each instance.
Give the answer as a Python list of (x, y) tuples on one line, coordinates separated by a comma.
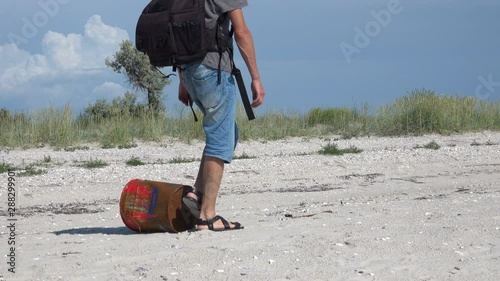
[(196, 192), (210, 222), (224, 222)]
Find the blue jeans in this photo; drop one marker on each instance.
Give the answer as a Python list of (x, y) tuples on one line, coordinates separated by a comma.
[(218, 104)]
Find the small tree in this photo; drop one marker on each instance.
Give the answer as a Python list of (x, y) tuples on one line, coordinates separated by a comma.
[(140, 74)]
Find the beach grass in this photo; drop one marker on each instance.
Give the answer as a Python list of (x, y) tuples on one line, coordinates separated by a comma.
[(332, 149), (179, 160), (134, 161), (47, 159), (75, 148), (93, 164), (420, 112), (430, 145), (6, 167), (243, 156), (32, 170)]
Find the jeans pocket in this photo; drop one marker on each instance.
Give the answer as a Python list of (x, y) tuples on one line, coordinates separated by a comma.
[(209, 91), (204, 73)]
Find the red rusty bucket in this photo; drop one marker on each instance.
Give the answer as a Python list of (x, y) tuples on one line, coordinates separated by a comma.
[(151, 206)]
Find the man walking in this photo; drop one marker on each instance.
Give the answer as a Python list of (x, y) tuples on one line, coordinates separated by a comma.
[(215, 94)]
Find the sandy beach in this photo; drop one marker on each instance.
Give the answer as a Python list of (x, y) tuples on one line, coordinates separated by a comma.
[(391, 212)]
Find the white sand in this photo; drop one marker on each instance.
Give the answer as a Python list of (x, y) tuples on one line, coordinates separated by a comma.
[(392, 212)]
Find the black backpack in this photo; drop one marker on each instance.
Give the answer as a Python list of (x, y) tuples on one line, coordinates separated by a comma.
[(173, 32)]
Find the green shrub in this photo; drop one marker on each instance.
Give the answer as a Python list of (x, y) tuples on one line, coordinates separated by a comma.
[(119, 106), (93, 164), (134, 161), (243, 156), (179, 160), (31, 170), (432, 145), (332, 149), (5, 167)]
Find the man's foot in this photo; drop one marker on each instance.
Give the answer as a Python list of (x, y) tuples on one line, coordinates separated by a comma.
[(218, 223), (192, 202)]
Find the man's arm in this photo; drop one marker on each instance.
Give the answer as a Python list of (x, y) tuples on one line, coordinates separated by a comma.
[(183, 95), (245, 43)]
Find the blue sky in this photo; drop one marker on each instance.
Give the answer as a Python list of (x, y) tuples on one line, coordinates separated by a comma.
[(317, 53)]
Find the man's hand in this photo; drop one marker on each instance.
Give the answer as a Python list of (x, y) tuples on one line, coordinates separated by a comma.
[(258, 93), (184, 96)]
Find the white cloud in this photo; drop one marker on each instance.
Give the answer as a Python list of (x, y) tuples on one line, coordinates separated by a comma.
[(101, 42), (96, 30), (109, 90), (65, 52), (19, 66), (62, 55)]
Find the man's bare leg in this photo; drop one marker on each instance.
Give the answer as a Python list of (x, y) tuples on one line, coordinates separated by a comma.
[(208, 182), (211, 176), (199, 184)]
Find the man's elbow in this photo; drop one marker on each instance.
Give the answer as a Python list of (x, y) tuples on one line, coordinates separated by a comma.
[(242, 33)]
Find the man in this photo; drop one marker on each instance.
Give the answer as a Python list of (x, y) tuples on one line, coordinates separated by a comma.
[(217, 101)]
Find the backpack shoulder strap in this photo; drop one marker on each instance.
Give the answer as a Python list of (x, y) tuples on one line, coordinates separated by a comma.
[(220, 20)]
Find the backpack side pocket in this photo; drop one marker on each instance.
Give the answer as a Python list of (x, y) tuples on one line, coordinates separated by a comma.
[(190, 36)]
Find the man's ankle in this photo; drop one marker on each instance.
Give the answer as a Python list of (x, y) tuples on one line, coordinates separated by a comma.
[(207, 215)]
